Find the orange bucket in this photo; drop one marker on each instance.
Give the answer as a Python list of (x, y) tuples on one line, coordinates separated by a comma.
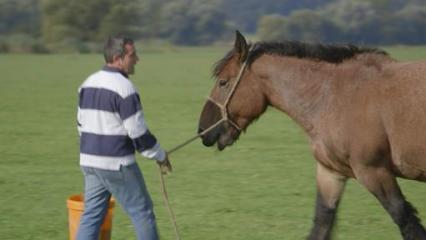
[(75, 204)]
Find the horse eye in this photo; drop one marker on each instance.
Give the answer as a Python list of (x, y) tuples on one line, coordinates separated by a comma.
[(222, 82)]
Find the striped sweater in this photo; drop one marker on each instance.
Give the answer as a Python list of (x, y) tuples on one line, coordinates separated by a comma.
[(111, 122)]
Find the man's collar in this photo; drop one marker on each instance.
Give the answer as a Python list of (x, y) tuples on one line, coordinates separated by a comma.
[(113, 69)]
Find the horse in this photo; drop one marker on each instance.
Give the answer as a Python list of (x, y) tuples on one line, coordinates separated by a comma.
[(363, 112)]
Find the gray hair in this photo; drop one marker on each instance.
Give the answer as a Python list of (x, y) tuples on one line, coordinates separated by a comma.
[(115, 46)]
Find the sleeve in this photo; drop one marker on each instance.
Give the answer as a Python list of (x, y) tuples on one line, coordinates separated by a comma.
[(79, 117), (130, 111), (79, 121)]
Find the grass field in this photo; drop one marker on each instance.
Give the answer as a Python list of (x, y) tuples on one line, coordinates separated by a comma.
[(261, 188)]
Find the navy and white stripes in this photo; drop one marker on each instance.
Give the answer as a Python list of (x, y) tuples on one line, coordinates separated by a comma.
[(111, 122)]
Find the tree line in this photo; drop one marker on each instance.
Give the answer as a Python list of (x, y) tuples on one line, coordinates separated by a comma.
[(365, 22), (80, 25)]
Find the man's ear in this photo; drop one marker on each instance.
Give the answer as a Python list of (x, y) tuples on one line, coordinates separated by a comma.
[(116, 59), (240, 46)]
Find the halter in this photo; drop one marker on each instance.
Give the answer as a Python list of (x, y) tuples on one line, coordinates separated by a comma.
[(224, 107)]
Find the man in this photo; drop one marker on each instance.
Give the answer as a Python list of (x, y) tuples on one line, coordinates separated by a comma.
[(111, 126)]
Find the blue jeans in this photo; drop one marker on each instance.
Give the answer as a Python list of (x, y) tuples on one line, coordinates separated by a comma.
[(128, 188)]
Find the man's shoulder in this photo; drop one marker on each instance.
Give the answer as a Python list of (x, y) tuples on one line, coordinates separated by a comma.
[(111, 81)]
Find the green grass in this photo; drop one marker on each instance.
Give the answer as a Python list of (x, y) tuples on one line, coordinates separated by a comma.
[(261, 188)]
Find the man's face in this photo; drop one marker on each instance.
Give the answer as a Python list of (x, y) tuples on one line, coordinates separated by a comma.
[(130, 59)]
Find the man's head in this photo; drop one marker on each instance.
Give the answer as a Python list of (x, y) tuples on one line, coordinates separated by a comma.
[(120, 52)]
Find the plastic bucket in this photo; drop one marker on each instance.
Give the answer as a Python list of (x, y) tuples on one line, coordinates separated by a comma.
[(75, 204)]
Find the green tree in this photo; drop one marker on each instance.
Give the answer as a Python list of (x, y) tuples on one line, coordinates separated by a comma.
[(193, 22), (308, 25), (135, 18), (271, 28), (61, 20), (93, 20), (19, 16), (246, 14), (303, 25), (357, 21), (410, 25)]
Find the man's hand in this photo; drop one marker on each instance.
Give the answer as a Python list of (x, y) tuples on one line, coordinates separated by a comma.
[(165, 165)]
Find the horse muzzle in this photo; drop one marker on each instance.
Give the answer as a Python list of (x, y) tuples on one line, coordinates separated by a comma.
[(223, 135), (211, 137)]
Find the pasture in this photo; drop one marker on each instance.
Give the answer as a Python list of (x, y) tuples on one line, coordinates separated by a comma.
[(261, 188)]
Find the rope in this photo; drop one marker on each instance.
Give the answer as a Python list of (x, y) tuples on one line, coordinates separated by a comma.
[(167, 203), (163, 185), (223, 119), (195, 137)]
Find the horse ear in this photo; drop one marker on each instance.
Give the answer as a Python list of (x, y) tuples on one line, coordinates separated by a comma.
[(240, 46)]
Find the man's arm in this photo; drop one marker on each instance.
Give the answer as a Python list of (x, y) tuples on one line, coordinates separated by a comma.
[(130, 111)]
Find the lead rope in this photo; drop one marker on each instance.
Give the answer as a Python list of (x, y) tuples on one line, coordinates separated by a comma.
[(163, 185), (224, 118), (167, 203)]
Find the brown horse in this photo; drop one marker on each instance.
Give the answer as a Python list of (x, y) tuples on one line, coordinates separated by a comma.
[(363, 112)]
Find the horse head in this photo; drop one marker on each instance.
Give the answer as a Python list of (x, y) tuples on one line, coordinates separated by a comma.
[(235, 100)]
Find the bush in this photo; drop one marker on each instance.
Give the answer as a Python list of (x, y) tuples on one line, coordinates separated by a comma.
[(301, 25), (4, 47), (21, 43), (73, 45)]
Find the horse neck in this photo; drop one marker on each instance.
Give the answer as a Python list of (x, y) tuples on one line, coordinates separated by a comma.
[(301, 88)]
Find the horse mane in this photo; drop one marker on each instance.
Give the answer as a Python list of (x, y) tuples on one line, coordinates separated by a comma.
[(335, 53)]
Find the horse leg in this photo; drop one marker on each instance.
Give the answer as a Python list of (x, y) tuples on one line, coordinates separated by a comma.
[(330, 186), (382, 183)]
